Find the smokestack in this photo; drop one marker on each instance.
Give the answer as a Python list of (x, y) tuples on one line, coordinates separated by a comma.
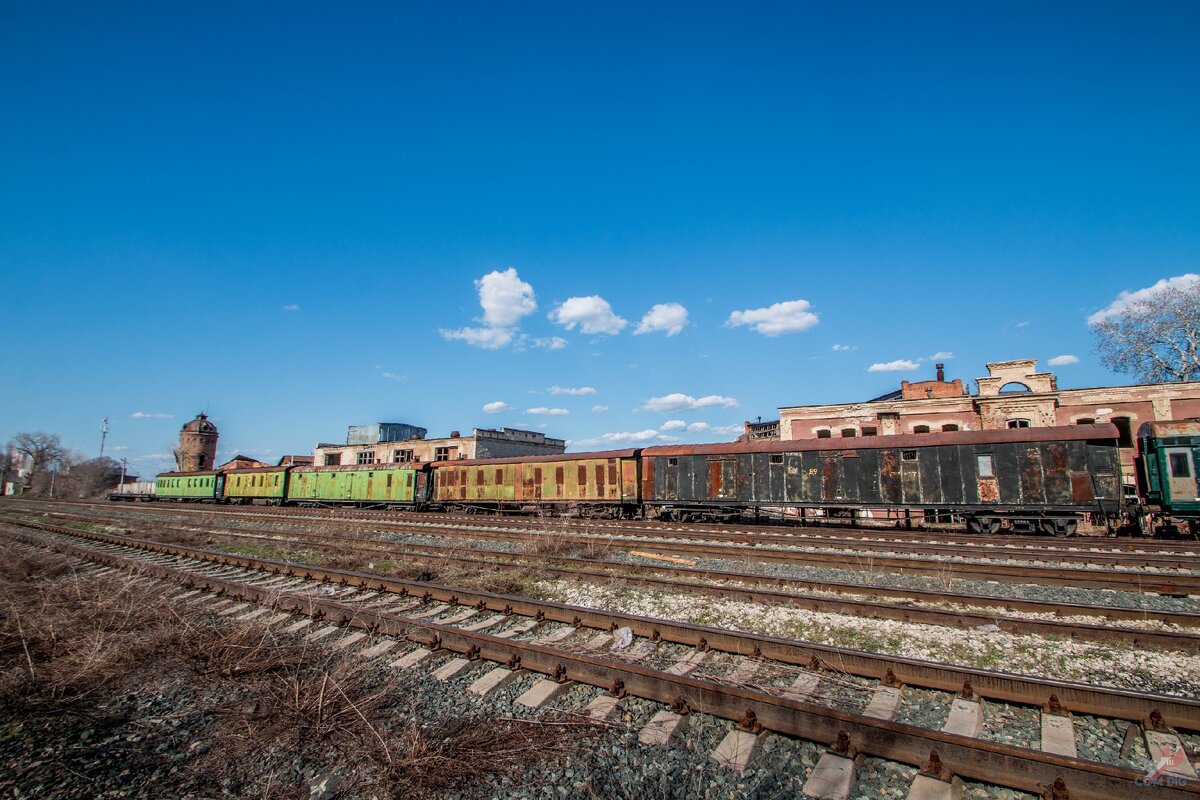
[(941, 376)]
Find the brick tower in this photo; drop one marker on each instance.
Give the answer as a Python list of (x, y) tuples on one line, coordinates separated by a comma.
[(198, 444)]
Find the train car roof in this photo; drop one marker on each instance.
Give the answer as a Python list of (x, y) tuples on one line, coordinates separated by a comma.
[(248, 470), (1103, 431), (413, 465), (604, 454), (1169, 427), (187, 474)]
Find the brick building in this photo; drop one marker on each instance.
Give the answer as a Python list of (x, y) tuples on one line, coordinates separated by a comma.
[(391, 443), (1012, 395)]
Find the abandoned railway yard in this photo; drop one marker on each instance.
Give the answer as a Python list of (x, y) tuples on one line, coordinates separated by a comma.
[(161, 650)]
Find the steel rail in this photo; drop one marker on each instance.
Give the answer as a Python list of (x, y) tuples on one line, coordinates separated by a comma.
[(976, 759), (1180, 712), (681, 580)]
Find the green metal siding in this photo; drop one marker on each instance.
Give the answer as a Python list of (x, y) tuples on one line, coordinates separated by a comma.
[(255, 484), (185, 486), (383, 484)]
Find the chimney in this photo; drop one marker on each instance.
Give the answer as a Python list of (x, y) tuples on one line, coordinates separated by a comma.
[(454, 434), (941, 376)]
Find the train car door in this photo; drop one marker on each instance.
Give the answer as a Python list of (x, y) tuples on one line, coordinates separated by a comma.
[(1181, 474)]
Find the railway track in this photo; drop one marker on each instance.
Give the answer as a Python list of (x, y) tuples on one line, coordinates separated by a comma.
[(1134, 577), (782, 592), (475, 624)]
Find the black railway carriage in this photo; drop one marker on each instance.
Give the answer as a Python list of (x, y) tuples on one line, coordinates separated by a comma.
[(1038, 478)]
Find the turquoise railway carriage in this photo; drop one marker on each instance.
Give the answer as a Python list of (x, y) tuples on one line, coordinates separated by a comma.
[(203, 486), (264, 485), (1168, 473), (395, 486)]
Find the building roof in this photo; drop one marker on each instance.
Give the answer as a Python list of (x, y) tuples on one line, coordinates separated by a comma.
[(199, 425), (604, 454)]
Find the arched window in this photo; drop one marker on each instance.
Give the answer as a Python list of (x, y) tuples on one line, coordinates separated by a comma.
[(1018, 423), (849, 433), (949, 426), (824, 433), (1015, 387), (920, 429)]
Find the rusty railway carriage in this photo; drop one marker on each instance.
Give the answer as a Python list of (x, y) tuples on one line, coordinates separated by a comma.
[(259, 484), (203, 486), (390, 486), (603, 484), (1037, 478)]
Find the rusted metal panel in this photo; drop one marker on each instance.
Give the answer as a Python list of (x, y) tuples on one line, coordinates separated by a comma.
[(850, 470), (649, 489), (604, 454), (714, 480), (952, 480), (629, 480), (1081, 487), (889, 475), (811, 468), (868, 476), (1055, 474), (929, 467), (1008, 473), (830, 483), (1031, 476), (600, 482), (910, 479)]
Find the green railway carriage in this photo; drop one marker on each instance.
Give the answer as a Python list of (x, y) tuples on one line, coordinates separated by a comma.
[(365, 485), (601, 484), (1168, 472), (261, 484), (204, 486)]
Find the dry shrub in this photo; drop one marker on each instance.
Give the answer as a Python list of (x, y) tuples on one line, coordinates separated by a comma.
[(243, 650)]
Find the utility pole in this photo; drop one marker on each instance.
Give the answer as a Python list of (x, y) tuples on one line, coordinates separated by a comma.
[(124, 465), (103, 434)]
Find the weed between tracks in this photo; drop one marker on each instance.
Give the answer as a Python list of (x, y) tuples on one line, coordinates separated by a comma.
[(107, 691)]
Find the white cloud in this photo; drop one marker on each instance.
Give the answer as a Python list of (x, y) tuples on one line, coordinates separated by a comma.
[(598, 409), (120, 448), (684, 402), (392, 376), (291, 307), (592, 314), (505, 298), (941, 355), (548, 412), (673, 425), (668, 317), (697, 427), (1117, 307), (899, 365), (1063, 360), (145, 415), (729, 429), (487, 338), (573, 391), (789, 317), (841, 348), (496, 407), (549, 343)]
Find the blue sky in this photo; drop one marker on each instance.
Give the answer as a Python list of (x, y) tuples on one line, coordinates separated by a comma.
[(285, 213)]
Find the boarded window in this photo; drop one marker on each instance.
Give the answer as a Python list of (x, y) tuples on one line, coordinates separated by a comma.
[(986, 469), (441, 454), (1018, 423), (949, 426), (1085, 421), (870, 430), (333, 459), (825, 433), (672, 462), (777, 459), (499, 475), (920, 429), (1180, 468), (389, 480), (908, 455), (849, 433)]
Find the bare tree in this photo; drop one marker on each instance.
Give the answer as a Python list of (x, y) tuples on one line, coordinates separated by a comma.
[(44, 450), (1156, 339)]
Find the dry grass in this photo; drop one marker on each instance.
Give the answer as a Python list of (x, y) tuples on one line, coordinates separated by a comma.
[(255, 704)]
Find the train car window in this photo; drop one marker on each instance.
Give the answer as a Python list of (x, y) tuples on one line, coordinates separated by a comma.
[(870, 430), (849, 433), (777, 459), (824, 433), (986, 468), (672, 462), (1018, 423), (1179, 466), (920, 429), (949, 426), (389, 480), (908, 455), (1124, 431)]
